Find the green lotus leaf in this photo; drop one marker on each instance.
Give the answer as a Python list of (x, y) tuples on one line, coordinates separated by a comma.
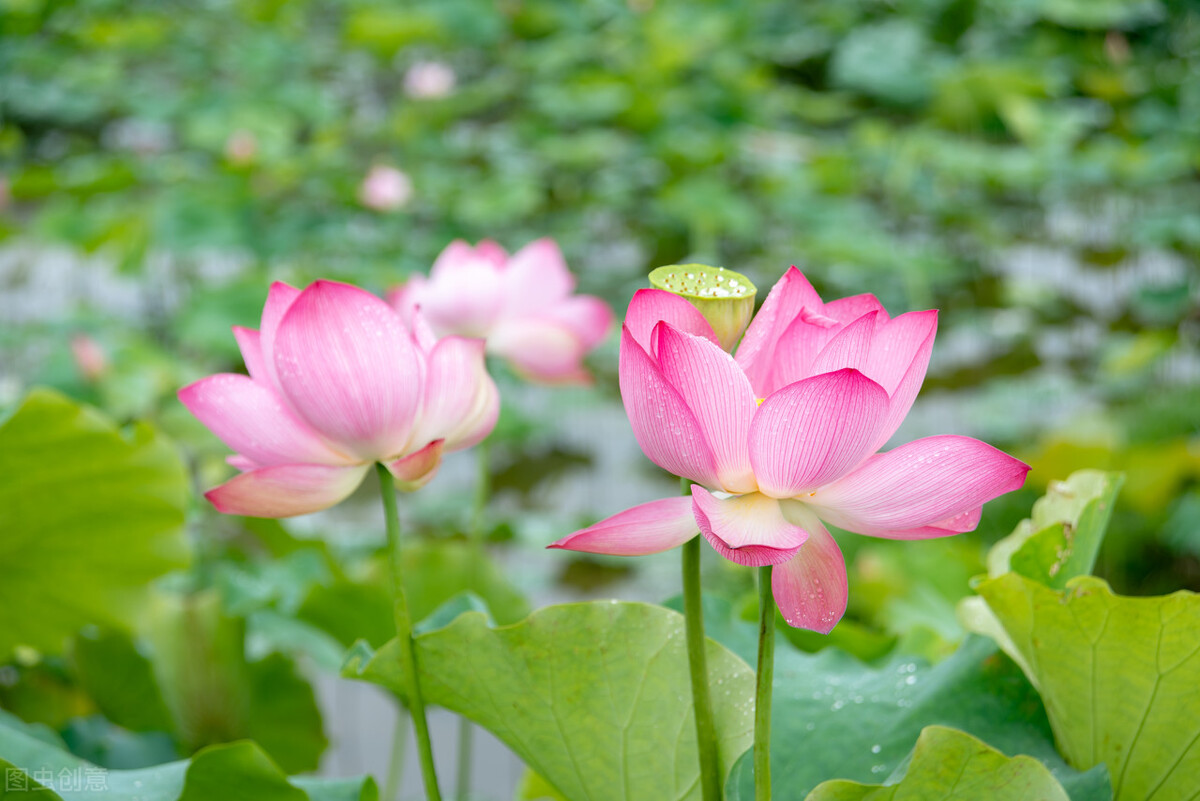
[(230, 772), (593, 696), (1118, 676), (949, 765), (89, 516)]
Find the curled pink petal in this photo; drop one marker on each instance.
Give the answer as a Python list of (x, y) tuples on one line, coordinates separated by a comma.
[(719, 395), (810, 588), (649, 307), (286, 490), (346, 363), (746, 529), (919, 484), (252, 420), (417, 469), (814, 431), (791, 295), (649, 528), (959, 524), (422, 333), (536, 278), (664, 426), (250, 344), (461, 401)]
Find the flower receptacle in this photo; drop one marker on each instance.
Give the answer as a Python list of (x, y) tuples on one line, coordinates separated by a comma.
[(724, 297)]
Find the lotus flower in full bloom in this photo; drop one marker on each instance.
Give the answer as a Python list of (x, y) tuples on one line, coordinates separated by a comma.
[(521, 304), (785, 436), (338, 382)]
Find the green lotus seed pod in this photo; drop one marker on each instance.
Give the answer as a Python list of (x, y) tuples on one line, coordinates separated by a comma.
[(725, 298)]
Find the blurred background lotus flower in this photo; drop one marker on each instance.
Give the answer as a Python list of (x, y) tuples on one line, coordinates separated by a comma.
[(241, 147), (338, 381), (90, 358), (429, 80), (385, 188), (785, 436), (521, 304)]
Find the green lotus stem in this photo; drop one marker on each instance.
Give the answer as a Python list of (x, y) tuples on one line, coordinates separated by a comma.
[(483, 493), (477, 537), (391, 789), (693, 611), (762, 692), (404, 636)]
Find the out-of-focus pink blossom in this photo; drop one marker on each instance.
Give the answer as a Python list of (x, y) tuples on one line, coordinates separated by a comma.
[(523, 305), (241, 147), (338, 381), (785, 436), (385, 188), (428, 80), (90, 358)]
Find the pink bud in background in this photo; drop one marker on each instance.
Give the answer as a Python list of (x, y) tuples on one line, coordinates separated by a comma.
[(385, 188), (241, 147), (523, 305), (427, 80), (785, 436), (90, 358), (338, 381)]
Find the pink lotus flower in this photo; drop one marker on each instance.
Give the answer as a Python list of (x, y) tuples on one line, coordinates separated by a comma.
[(521, 304), (785, 436), (338, 382)]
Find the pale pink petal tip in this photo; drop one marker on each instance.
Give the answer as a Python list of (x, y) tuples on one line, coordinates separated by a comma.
[(649, 528), (919, 484), (810, 588), (286, 490), (417, 469)]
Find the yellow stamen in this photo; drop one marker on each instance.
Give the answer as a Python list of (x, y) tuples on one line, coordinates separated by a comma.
[(759, 401)]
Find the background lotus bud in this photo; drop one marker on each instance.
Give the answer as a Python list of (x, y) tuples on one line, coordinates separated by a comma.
[(385, 188), (241, 147), (427, 80), (725, 298), (89, 357)]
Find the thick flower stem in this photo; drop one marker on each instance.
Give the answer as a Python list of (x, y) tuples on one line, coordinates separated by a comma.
[(404, 636), (762, 693), (693, 611)]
